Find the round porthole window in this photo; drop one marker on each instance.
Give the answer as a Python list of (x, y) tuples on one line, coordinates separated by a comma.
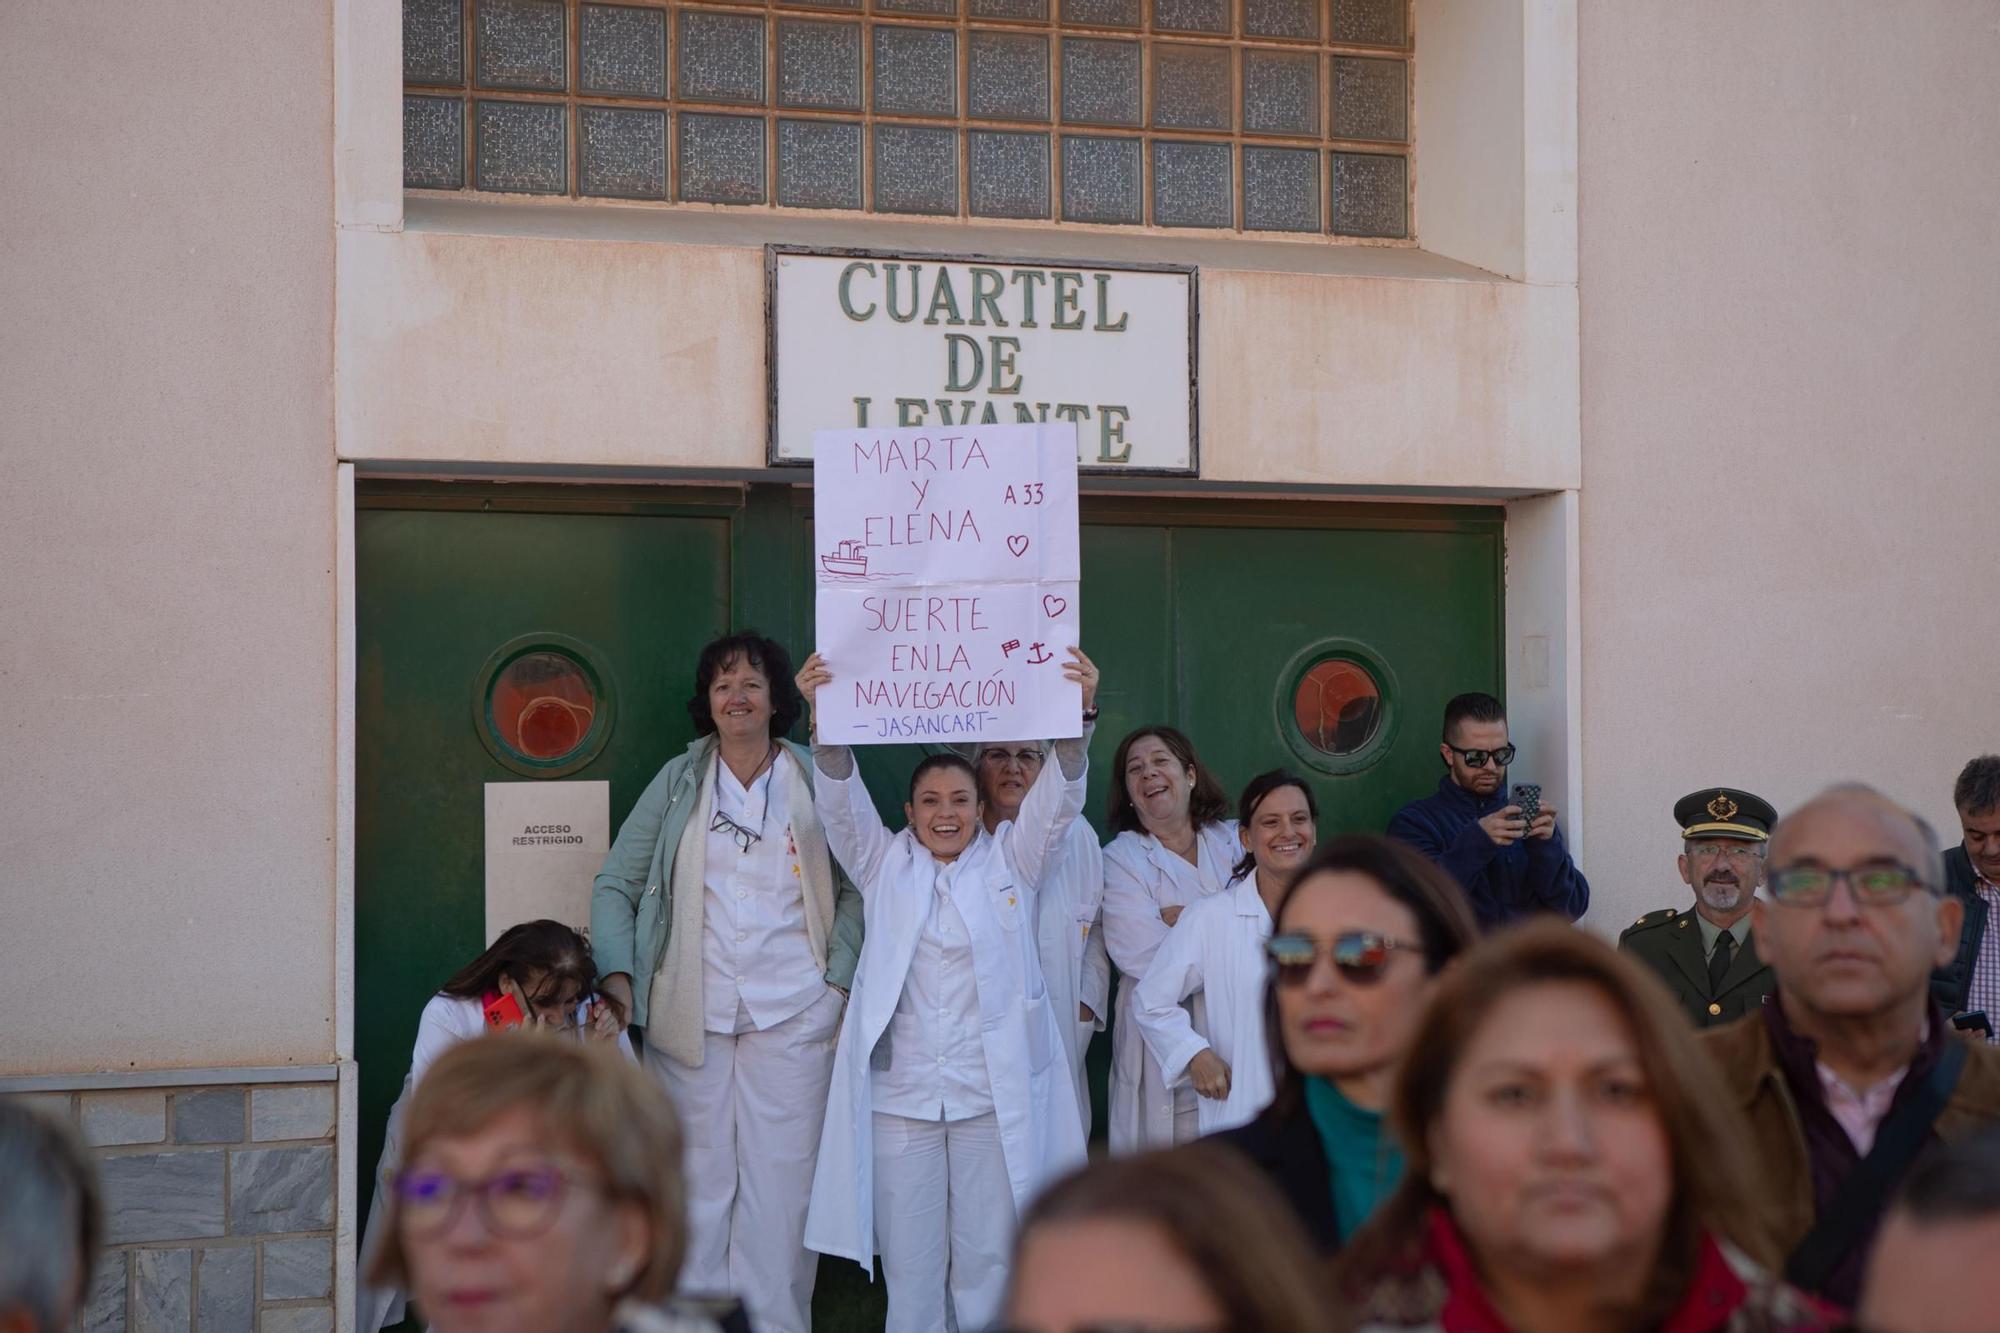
[(1336, 706), (543, 705)]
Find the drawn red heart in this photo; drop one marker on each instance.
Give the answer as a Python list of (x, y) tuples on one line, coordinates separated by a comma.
[(1053, 606), (1018, 543)]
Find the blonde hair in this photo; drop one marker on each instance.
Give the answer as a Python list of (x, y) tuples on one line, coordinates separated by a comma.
[(591, 1100)]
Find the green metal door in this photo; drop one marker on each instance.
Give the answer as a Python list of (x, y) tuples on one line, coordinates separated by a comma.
[(1205, 614), (637, 588), (1209, 615)]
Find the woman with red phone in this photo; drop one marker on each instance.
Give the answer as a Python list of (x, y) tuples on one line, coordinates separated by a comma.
[(538, 974)]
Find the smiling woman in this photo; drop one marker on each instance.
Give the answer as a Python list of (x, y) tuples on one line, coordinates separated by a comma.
[(1573, 1160), (950, 1105), (721, 920), (1216, 950)]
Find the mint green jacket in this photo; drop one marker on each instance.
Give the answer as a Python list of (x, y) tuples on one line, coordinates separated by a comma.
[(630, 901)]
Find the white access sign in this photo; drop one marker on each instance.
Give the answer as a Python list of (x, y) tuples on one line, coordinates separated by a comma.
[(862, 342), (544, 844)]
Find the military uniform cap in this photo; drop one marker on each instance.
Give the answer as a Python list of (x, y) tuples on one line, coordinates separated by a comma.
[(1724, 812)]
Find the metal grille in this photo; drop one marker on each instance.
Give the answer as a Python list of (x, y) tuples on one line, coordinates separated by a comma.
[(1221, 115)]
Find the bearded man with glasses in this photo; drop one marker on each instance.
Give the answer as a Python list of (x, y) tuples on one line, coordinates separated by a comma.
[(1510, 859), (1707, 956), (1850, 1070)]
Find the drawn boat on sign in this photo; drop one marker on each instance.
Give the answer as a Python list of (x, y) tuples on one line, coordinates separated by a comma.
[(849, 559)]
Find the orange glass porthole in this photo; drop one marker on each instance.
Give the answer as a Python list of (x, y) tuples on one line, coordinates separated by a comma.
[(542, 706), (1337, 706)]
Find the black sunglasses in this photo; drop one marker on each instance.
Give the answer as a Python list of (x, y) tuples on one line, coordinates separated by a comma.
[(1477, 758), (1360, 956)]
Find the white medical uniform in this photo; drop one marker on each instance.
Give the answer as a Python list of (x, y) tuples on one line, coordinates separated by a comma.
[(1216, 949), (1140, 877), (769, 1020), (1069, 935), (952, 1102)]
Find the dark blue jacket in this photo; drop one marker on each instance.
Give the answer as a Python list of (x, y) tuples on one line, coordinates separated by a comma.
[(1502, 883)]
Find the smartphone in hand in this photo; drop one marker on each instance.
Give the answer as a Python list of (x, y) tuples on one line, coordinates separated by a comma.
[(1528, 795), (504, 1011)]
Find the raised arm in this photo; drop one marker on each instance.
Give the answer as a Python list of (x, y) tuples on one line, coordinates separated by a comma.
[(1036, 837), (855, 833)]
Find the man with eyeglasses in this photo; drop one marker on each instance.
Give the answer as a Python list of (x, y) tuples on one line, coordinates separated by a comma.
[(1970, 983), (1707, 956), (1069, 924), (1850, 1070), (1510, 865)]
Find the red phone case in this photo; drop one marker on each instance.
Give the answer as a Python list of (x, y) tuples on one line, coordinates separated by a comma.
[(504, 1012)]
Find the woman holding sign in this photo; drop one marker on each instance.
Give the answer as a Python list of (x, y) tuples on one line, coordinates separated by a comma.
[(1171, 846), (723, 926), (952, 1103)]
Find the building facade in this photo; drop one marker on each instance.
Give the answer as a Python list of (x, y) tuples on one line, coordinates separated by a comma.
[(397, 396)]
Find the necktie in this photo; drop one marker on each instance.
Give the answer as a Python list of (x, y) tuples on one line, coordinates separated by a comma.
[(1718, 962)]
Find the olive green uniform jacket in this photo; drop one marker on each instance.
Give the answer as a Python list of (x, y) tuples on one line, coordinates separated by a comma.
[(1669, 942)]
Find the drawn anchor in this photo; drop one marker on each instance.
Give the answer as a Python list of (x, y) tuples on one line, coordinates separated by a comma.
[(1046, 656)]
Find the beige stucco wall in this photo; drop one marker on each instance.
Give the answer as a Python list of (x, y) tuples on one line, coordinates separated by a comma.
[(166, 535), (472, 347), (1791, 323)]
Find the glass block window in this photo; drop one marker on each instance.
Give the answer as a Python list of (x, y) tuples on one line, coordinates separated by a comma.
[(1250, 116)]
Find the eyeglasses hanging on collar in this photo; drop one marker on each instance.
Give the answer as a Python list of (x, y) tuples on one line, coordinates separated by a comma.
[(744, 838)]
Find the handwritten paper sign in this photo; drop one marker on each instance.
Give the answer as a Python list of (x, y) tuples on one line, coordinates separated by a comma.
[(947, 577)]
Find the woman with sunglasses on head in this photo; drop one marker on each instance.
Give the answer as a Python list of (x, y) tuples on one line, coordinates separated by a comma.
[(1574, 1162), (722, 921), (1216, 950), (543, 1194), (1359, 939), (1172, 845), (538, 975), (952, 1103), (1180, 1241)]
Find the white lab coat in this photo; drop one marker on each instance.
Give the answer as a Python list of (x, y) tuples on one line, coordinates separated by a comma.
[(1069, 931), (1216, 949), (1034, 1099), (1141, 877)]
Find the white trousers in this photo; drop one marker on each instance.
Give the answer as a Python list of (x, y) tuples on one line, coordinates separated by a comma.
[(751, 1112), (944, 1220)]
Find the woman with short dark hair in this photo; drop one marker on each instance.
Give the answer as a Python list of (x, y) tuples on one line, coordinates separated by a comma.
[(1172, 845), (1358, 941), (722, 922), (1573, 1162)]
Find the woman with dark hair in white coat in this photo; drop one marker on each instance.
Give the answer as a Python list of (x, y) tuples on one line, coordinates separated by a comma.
[(1171, 846), (952, 1103), (1216, 950), (1069, 926)]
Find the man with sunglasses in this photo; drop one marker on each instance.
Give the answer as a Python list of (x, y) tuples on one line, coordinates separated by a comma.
[(1509, 865), (1850, 1070), (1707, 956)]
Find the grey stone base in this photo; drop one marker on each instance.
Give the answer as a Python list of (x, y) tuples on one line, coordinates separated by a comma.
[(219, 1206)]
